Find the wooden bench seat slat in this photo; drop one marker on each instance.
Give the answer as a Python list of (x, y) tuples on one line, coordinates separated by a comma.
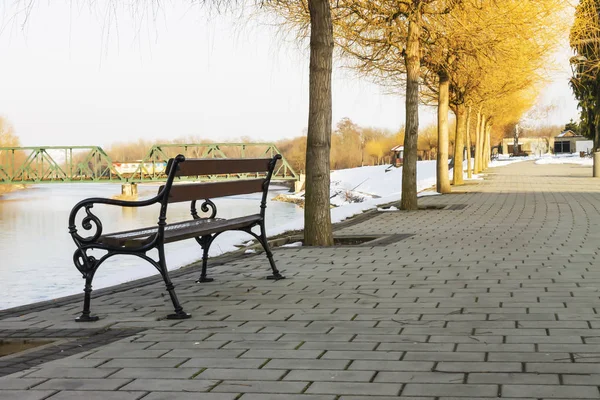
[(134, 235), (215, 166), (193, 191), (213, 227), (178, 231)]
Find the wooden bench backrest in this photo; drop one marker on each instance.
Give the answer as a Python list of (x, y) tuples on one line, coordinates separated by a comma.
[(216, 166), (209, 190)]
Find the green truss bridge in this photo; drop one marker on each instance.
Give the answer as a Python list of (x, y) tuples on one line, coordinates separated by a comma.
[(91, 164)]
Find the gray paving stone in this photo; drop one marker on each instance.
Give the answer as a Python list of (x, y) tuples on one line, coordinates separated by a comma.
[(71, 362), (203, 353), (310, 354), (171, 345), (477, 398), (544, 339), (242, 374), (386, 398), (306, 364), (362, 355), (530, 357), (312, 337), (465, 339), (416, 347), (190, 396), (169, 385), (367, 389), (144, 362), (62, 372), (441, 356), (229, 386), (551, 391), (11, 383), (267, 396), (563, 368), (25, 394), (156, 373), (581, 379), (448, 366), (338, 346), (419, 377), (495, 347), (330, 376), (391, 365), (91, 395), (119, 353), (223, 363), (514, 378), (83, 384), (570, 348), (458, 390)]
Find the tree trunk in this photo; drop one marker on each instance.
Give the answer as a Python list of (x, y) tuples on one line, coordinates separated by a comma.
[(477, 167), (468, 133), (486, 147), (443, 181), (596, 126), (480, 147), (317, 216), (459, 144), (413, 71)]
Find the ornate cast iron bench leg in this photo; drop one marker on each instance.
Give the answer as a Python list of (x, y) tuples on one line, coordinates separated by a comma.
[(205, 242), (265, 244), (162, 268), (85, 314), (87, 265)]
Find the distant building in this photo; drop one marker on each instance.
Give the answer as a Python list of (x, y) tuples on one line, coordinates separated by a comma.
[(134, 167), (566, 142), (527, 145), (397, 155)]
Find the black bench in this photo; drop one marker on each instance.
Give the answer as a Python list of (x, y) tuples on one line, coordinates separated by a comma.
[(204, 230)]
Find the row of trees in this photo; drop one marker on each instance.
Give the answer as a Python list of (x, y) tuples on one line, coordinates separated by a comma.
[(351, 146), (482, 59)]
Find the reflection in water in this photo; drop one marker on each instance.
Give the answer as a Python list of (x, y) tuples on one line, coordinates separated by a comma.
[(36, 249), (129, 212)]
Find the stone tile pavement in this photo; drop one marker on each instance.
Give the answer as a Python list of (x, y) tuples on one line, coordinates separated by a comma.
[(496, 299)]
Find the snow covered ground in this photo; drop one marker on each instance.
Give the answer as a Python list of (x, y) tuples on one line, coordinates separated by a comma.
[(355, 190), (507, 160), (565, 159)]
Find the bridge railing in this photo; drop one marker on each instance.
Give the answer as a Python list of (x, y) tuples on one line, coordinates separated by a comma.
[(151, 167), (54, 164), (79, 164)]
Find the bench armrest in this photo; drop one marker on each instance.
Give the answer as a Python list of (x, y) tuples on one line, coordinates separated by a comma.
[(91, 221)]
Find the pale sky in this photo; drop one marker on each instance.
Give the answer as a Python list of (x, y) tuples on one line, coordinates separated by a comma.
[(74, 76)]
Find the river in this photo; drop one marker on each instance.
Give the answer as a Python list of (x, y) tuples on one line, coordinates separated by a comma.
[(36, 248)]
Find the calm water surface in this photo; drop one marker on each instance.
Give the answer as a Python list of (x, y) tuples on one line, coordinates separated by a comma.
[(36, 248)]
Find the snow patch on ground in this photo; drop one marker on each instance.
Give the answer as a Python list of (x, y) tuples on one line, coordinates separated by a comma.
[(503, 160), (392, 208), (428, 193), (295, 244), (565, 159)]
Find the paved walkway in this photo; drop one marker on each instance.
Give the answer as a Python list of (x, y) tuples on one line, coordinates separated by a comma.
[(494, 296)]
